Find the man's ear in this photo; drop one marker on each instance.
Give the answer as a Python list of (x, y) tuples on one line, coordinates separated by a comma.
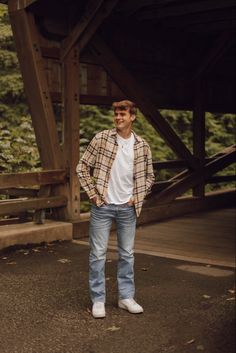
[(133, 117)]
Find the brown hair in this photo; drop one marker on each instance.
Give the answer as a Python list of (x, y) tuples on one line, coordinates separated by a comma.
[(125, 105)]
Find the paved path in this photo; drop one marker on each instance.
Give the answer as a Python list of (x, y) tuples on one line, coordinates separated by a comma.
[(44, 305)]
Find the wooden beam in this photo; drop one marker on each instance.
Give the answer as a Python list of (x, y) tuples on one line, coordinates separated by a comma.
[(202, 174), (36, 87), (185, 173), (89, 99), (9, 207), (174, 164), (132, 6), (203, 20), (71, 145), (199, 131), (103, 13), (185, 9), (135, 92), (92, 7), (15, 5), (19, 192), (99, 100), (215, 53), (50, 52), (95, 13), (221, 179), (46, 177)]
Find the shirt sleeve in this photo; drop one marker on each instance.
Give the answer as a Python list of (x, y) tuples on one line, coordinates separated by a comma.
[(83, 168), (150, 177)]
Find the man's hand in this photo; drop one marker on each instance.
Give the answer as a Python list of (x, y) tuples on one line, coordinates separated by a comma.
[(131, 201), (94, 200)]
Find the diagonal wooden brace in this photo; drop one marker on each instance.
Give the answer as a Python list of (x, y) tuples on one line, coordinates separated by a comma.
[(192, 179), (95, 13), (135, 92)]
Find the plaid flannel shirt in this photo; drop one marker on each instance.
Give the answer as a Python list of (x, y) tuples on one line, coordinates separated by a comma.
[(100, 155)]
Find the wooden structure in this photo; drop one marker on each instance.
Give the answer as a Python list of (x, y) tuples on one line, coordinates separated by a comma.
[(159, 53)]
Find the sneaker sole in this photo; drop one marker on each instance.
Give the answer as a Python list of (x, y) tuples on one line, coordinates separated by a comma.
[(98, 316), (122, 306)]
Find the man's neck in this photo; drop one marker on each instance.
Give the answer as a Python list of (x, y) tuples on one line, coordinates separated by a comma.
[(125, 134)]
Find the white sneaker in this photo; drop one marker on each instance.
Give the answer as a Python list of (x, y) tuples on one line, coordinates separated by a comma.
[(130, 305), (98, 310)]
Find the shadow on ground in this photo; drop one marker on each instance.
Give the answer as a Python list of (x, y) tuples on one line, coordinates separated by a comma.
[(45, 307)]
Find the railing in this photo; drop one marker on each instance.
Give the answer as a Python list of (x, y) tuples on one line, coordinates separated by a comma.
[(24, 190), (30, 191)]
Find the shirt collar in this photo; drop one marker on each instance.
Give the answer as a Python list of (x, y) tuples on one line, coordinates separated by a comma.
[(138, 139)]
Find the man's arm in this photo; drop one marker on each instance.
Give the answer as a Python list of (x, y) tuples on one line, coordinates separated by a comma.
[(83, 169), (150, 177)]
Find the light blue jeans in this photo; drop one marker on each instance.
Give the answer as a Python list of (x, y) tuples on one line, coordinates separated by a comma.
[(99, 230)]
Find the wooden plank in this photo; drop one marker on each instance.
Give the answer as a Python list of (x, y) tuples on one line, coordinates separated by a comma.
[(45, 177), (11, 207), (92, 7), (199, 131), (39, 215), (181, 186), (14, 220), (50, 52), (135, 92), (72, 129), (36, 87), (18, 192)]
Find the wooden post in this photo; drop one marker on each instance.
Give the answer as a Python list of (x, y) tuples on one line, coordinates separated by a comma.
[(15, 5), (199, 132), (36, 88), (38, 95), (72, 128)]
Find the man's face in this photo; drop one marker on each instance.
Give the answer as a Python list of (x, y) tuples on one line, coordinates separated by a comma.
[(123, 119)]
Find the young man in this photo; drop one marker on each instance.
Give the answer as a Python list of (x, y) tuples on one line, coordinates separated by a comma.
[(122, 177)]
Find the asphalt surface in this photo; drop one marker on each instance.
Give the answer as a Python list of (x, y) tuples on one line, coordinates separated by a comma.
[(45, 306)]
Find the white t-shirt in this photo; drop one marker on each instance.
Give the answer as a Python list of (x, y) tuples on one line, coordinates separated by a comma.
[(120, 186)]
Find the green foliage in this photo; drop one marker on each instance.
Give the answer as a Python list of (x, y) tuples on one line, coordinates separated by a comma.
[(92, 120), (11, 88), (18, 150), (220, 132)]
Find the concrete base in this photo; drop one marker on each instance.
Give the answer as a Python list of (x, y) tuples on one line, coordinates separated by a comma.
[(30, 233)]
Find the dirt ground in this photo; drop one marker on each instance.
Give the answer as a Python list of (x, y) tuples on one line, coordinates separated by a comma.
[(45, 306)]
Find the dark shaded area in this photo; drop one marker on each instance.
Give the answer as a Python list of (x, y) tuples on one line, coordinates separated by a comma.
[(45, 307)]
